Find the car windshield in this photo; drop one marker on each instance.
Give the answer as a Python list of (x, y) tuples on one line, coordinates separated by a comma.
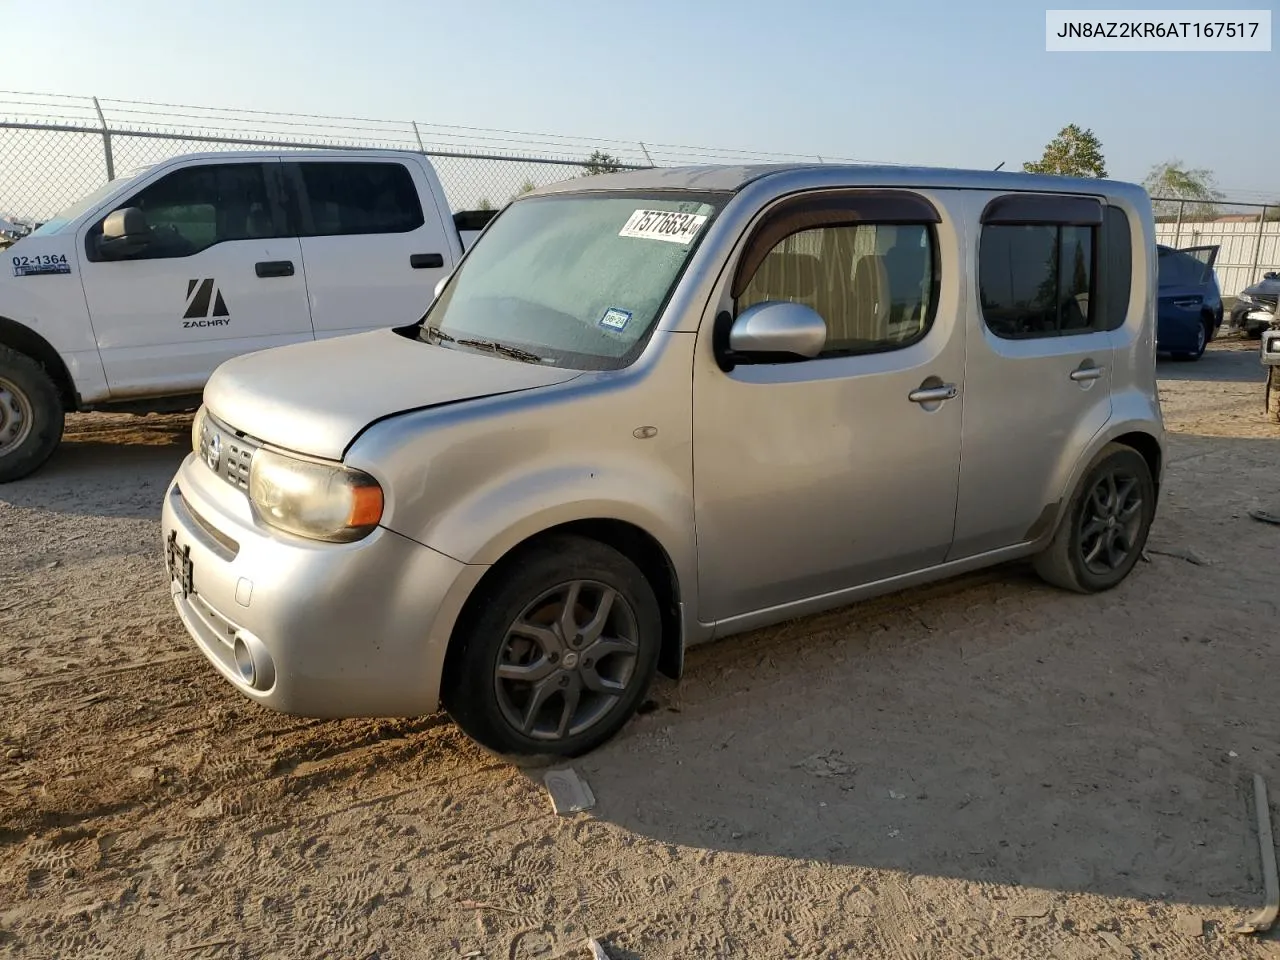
[(60, 220), (574, 281)]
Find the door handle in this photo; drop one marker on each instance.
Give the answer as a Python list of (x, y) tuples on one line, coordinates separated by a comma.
[(274, 268), (946, 391), (1082, 374), (426, 261)]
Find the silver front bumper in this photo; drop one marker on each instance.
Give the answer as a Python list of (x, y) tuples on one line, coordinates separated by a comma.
[(318, 629)]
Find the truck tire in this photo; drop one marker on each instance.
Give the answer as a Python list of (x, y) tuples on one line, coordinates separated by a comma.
[(31, 415), (1273, 393)]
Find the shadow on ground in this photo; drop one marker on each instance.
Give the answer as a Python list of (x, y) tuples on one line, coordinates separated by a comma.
[(992, 728), (1232, 360), (112, 465)]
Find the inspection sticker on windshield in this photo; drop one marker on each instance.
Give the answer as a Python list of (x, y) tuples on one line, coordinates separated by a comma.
[(663, 225), (615, 319), (37, 265)]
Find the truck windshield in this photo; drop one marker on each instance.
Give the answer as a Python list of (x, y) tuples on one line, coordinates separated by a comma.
[(574, 281), (68, 215)]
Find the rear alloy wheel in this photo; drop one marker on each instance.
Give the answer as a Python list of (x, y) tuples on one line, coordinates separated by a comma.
[(1106, 526), (31, 415), (562, 649)]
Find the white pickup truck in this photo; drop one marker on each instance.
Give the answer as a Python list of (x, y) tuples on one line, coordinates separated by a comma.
[(130, 298)]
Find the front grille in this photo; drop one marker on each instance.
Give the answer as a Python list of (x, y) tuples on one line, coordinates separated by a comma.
[(226, 453)]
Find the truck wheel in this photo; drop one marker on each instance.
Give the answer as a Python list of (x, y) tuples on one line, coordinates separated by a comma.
[(1106, 526), (1273, 394), (559, 653), (31, 415)]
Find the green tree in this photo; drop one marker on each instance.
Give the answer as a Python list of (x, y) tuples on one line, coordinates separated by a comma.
[(1072, 153), (600, 162), (1171, 182)]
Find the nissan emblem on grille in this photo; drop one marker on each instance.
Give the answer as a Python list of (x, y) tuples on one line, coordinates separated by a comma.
[(213, 450)]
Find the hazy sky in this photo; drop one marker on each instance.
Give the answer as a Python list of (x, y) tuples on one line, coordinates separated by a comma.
[(925, 81)]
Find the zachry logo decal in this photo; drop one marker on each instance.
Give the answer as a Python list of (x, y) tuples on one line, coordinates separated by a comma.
[(205, 306)]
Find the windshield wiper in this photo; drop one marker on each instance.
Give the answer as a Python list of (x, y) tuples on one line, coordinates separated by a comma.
[(493, 346), (435, 333)]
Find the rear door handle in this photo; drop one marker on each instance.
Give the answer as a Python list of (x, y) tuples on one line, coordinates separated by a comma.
[(426, 261), (946, 391), (1081, 374), (274, 268)]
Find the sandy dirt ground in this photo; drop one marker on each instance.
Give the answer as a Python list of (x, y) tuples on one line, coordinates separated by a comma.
[(983, 768)]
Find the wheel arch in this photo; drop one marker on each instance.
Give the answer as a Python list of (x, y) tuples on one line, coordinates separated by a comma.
[(23, 339), (635, 543), (1135, 434)]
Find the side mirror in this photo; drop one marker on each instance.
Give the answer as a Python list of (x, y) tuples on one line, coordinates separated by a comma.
[(773, 329), (440, 285), (124, 233)]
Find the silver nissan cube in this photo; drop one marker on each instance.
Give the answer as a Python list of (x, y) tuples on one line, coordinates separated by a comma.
[(656, 408)]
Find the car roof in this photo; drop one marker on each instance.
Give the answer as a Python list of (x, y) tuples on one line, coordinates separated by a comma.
[(733, 177)]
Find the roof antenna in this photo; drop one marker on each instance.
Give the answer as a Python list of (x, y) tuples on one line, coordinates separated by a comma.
[(1000, 165)]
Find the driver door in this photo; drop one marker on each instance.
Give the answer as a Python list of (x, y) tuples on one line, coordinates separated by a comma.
[(815, 476), (221, 275)]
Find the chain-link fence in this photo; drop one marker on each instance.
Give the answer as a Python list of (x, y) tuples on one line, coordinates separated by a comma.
[(55, 150)]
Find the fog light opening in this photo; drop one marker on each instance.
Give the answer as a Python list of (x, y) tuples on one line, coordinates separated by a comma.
[(244, 662)]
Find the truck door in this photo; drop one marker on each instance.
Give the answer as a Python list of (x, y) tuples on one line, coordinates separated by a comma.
[(219, 276), (374, 242)]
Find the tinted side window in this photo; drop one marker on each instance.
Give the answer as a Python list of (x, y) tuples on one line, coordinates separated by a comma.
[(1036, 280), (1115, 268), (359, 198), (194, 208), (875, 285)]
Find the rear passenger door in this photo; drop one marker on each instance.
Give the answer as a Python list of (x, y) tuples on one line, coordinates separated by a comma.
[(1039, 355), (373, 242)]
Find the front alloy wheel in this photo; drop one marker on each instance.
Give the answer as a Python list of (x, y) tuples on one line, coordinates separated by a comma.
[(566, 660), (555, 651)]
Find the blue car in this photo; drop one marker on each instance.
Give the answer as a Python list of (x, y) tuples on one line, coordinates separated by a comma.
[(1190, 305)]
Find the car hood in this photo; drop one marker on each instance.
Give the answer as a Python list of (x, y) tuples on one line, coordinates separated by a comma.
[(315, 397), (1264, 288)]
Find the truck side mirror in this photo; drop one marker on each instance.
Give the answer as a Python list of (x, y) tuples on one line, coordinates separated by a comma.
[(124, 233), (440, 284)]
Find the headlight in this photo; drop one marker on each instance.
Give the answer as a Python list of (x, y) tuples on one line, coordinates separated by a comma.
[(323, 501), (197, 428)]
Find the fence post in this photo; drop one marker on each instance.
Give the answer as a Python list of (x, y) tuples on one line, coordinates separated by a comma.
[(106, 141), (418, 135), (1177, 230), (1257, 245)]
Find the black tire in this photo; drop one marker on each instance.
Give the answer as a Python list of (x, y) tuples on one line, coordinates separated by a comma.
[(1198, 352), (31, 415), (1273, 393), (1065, 562), (489, 708)]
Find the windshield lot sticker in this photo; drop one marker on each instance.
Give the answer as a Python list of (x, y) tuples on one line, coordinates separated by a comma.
[(39, 265), (663, 225), (615, 319)]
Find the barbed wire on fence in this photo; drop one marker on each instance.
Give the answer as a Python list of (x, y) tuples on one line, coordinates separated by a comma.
[(55, 148)]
